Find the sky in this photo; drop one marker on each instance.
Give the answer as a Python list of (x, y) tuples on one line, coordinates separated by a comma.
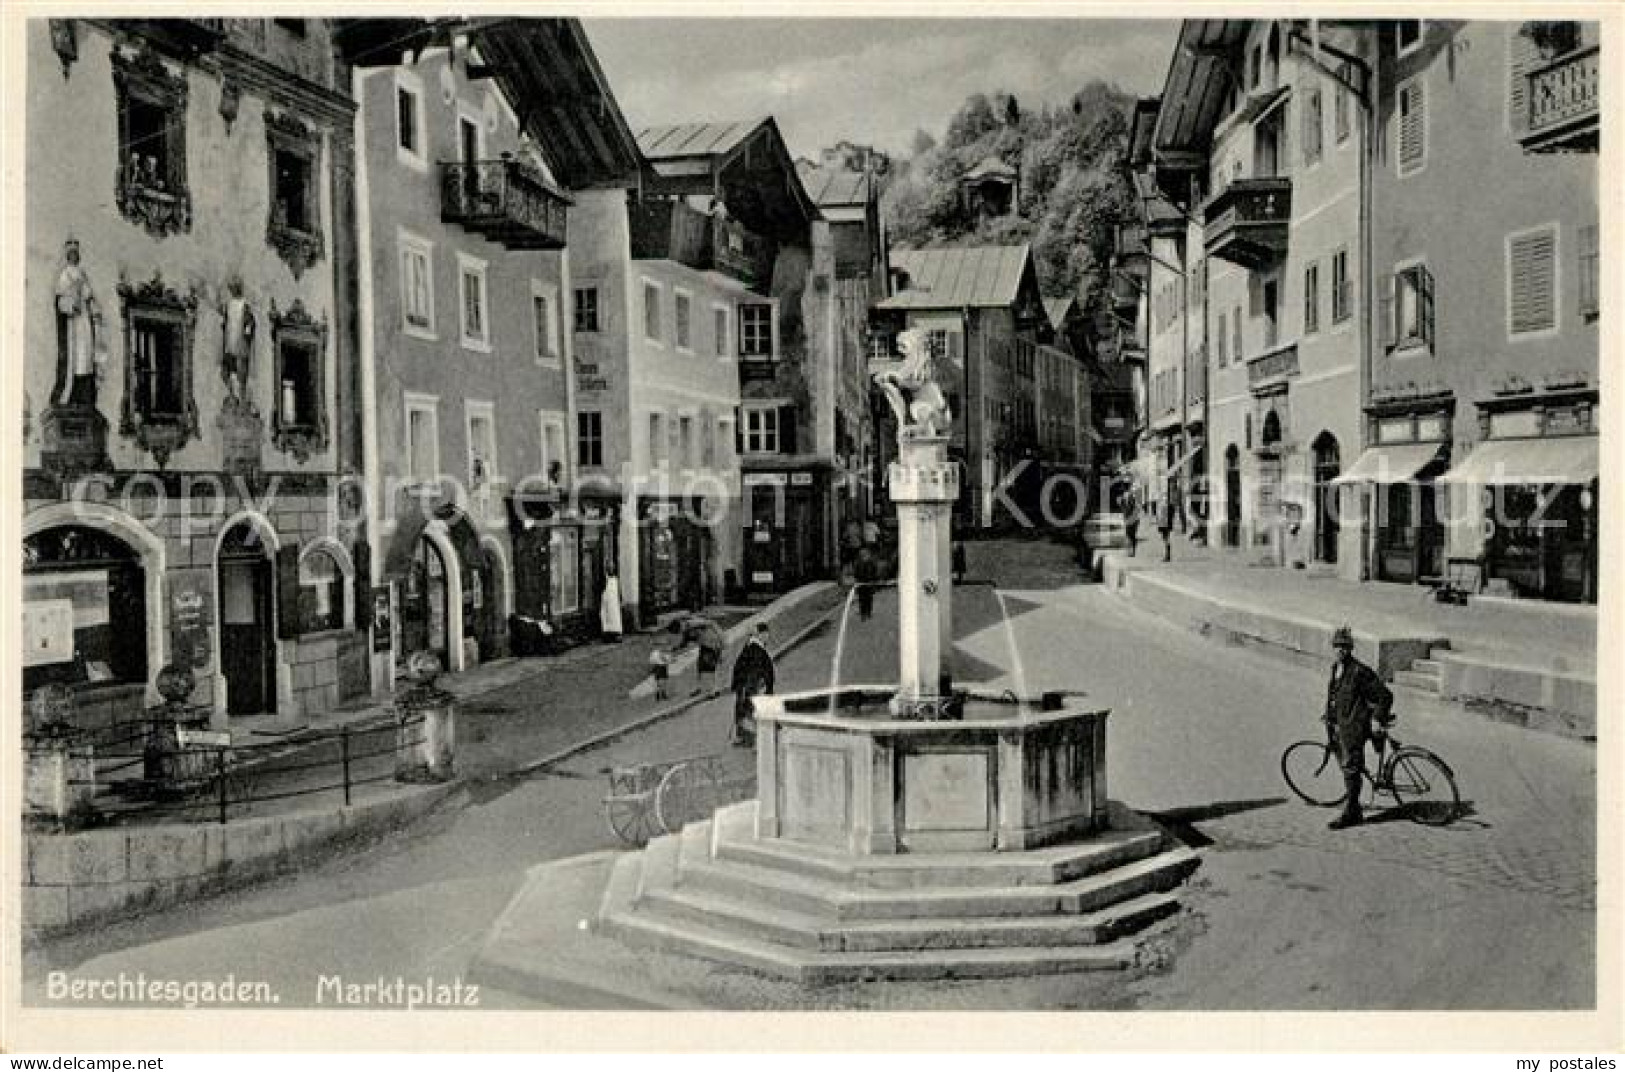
[(866, 80)]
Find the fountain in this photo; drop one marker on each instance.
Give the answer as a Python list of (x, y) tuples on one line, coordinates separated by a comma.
[(907, 831)]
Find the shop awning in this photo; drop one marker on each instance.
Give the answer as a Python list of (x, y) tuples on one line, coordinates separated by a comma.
[(1565, 460), (1395, 464)]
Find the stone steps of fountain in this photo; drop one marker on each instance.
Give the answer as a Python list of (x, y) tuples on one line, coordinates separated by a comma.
[(622, 918), (680, 905), (845, 902), (1129, 838)]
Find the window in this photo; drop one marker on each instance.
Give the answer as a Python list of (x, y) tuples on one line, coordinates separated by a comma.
[(1272, 313), (158, 408), (1532, 282), (1223, 342), (423, 438), (1311, 299), (1340, 104), (409, 121), (756, 331), (719, 329), (84, 609), (1235, 335), (685, 442), (1342, 287), (294, 229), (150, 186), (682, 314), (417, 285), (1312, 127), (586, 309), (321, 591), (761, 430), (1411, 151), (708, 442), (547, 340), (1408, 35), (1588, 271), (652, 328), (299, 342), (726, 433), (590, 438), (936, 343), (482, 446), (552, 446), (657, 440), (1408, 312), (471, 294)]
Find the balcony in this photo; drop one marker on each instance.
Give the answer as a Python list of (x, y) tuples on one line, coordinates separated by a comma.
[(1269, 372), (672, 230), (1563, 104), (1247, 222), (506, 201)]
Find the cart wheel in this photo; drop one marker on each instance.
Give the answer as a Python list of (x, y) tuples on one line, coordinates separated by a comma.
[(631, 818), (688, 793)]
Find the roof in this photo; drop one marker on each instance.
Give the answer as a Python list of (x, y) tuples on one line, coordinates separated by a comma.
[(1193, 92), (834, 185), (1056, 309), (985, 276), (696, 139), (990, 167)]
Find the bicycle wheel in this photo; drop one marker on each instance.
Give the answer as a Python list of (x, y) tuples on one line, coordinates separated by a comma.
[(1311, 770), (1424, 787), (631, 818)]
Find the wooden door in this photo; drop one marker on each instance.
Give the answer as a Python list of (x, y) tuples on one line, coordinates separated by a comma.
[(247, 636)]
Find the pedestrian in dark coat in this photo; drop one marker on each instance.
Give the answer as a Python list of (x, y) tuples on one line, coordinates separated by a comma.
[(707, 636), (1355, 697), (865, 574), (1165, 527), (753, 675), (1131, 520)]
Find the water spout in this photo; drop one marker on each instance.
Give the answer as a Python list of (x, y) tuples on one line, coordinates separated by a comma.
[(840, 648), (1018, 668)]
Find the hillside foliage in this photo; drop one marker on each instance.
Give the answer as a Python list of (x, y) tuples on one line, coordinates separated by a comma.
[(1073, 189)]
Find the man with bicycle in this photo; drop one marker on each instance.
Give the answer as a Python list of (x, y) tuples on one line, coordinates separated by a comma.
[(1355, 697)]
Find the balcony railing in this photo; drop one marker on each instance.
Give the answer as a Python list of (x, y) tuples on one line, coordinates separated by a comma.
[(672, 230), (1247, 222), (506, 201), (1563, 103), (1272, 367)]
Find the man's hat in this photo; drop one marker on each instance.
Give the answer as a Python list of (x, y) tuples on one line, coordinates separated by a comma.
[(1342, 637)]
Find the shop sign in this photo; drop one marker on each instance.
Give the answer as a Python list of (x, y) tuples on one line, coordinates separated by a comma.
[(590, 377), (383, 627), (191, 617), (765, 480)]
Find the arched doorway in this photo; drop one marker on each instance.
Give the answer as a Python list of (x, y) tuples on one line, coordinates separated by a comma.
[(84, 610), (1232, 496), (1267, 517), (247, 620), (493, 634), (1327, 468), (424, 606)]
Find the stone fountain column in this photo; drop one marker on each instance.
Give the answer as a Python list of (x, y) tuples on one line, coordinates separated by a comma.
[(924, 485)]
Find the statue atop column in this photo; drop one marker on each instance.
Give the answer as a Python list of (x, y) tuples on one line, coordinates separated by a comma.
[(918, 403)]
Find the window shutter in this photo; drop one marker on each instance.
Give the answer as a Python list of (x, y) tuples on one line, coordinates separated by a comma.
[(739, 431), (1521, 56), (1389, 289), (1412, 127), (289, 618), (361, 581), (956, 347), (1531, 260), (1424, 296), (787, 430)]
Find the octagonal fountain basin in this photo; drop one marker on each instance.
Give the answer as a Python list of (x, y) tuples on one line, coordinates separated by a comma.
[(835, 768)]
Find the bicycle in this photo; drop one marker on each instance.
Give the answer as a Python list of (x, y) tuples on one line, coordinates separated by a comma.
[(1421, 783)]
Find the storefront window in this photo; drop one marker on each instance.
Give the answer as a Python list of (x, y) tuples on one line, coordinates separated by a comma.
[(84, 610), (321, 599), (564, 549)]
